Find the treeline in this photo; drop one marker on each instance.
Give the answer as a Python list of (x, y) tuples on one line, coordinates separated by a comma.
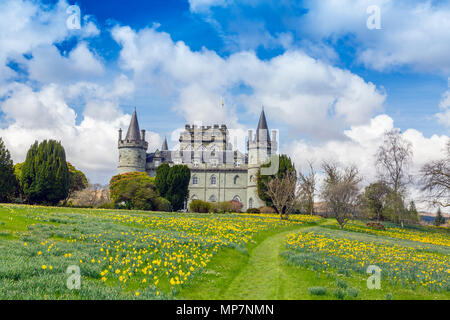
[(44, 178), (382, 200)]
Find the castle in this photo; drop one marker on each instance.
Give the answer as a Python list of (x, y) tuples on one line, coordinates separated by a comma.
[(218, 173)]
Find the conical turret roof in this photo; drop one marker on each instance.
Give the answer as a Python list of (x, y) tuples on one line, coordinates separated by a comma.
[(164, 146), (262, 125), (133, 134)]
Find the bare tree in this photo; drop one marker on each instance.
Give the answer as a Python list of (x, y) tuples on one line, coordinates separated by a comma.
[(284, 193), (340, 191), (94, 195), (308, 189), (393, 159), (435, 179)]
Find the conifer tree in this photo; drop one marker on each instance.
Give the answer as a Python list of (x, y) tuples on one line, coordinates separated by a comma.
[(45, 174), (8, 182), (439, 220)]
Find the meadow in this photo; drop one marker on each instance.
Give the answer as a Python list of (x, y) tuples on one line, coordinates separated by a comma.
[(156, 255)]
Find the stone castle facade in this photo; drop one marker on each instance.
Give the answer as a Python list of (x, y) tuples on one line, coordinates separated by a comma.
[(218, 173)]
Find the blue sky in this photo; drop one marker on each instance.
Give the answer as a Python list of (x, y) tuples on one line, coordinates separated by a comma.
[(412, 97), (329, 84)]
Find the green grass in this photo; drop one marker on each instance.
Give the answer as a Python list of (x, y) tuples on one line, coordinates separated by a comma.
[(256, 268)]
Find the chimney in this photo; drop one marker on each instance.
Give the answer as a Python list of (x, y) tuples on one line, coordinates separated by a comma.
[(143, 135), (120, 134)]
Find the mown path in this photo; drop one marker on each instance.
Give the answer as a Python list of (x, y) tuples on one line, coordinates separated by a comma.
[(266, 276)]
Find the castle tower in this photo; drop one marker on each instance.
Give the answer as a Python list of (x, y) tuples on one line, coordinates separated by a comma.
[(133, 149), (259, 152)]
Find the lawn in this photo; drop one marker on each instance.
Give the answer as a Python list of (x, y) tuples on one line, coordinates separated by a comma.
[(143, 255)]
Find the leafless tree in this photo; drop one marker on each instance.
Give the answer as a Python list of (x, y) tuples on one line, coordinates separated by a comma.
[(92, 196), (284, 193), (308, 189), (393, 159), (435, 179), (340, 191)]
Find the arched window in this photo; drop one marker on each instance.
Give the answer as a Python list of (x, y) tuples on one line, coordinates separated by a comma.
[(213, 180), (194, 180), (236, 179), (250, 203), (251, 178), (194, 197), (237, 198), (212, 198)]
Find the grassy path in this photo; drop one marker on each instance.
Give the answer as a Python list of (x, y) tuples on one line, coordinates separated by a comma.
[(266, 276), (262, 274)]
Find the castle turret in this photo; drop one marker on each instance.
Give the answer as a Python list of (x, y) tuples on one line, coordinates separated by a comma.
[(133, 149), (259, 152)]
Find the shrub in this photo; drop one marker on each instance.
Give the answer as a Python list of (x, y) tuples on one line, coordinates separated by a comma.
[(162, 204), (199, 206), (134, 190), (339, 294), (253, 210), (236, 206), (267, 210), (341, 284), (376, 225), (317, 291), (107, 205), (389, 296), (352, 292), (221, 207)]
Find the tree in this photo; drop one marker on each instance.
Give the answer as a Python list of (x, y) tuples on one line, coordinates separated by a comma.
[(283, 193), (262, 181), (45, 175), (374, 200), (92, 196), (439, 220), (435, 179), (136, 189), (161, 179), (395, 209), (8, 182), (413, 214), (393, 159), (78, 180), (340, 191), (308, 189), (178, 183)]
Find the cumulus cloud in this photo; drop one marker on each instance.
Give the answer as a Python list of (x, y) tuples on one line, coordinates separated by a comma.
[(361, 146), (295, 88), (444, 105), (413, 34), (45, 114)]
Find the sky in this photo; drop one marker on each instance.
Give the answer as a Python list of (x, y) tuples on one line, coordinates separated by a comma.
[(332, 75)]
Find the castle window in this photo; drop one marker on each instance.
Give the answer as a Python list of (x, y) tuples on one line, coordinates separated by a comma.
[(194, 180), (251, 178), (237, 198), (214, 163), (250, 203), (194, 197), (212, 198), (236, 179), (196, 164), (238, 164), (213, 180)]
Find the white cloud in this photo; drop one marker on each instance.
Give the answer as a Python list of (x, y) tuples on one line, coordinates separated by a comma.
[(361, 146), (295, 88), (444, 105), (90, 145), (416, 34)]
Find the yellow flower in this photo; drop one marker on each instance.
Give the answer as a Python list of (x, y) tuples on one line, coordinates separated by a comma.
[(44, 267), (137, 293)]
